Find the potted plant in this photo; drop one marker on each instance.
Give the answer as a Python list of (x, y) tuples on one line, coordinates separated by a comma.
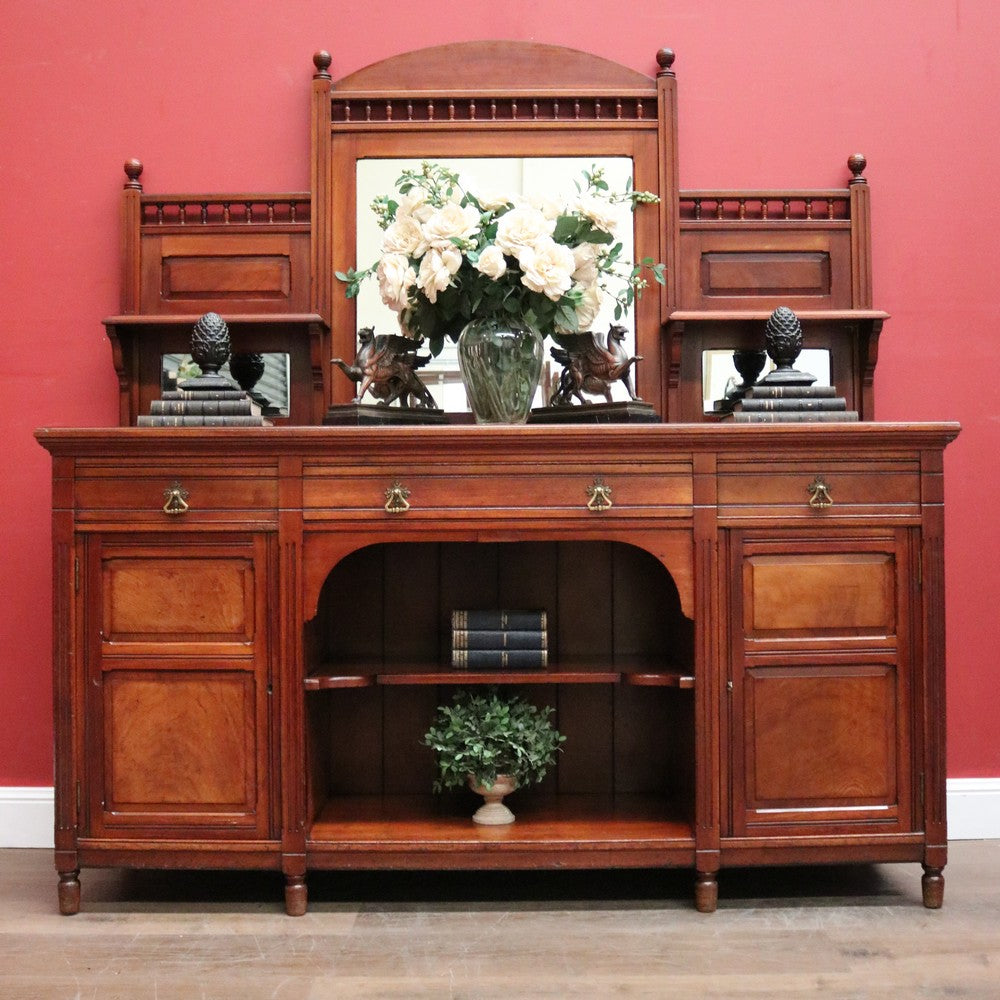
[(498, 273), (493, 742)]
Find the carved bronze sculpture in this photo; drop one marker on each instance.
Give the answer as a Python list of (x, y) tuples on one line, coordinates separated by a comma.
[(592, 367), (385, 366)]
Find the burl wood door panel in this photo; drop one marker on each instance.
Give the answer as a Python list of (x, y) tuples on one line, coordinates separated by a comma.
[(820, 699), (180, 688)]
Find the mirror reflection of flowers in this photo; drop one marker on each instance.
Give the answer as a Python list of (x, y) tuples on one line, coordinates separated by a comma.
[(449, 255)]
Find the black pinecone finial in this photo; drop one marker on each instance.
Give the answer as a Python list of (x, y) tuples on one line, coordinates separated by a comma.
[(210, 343), (210, 347), (783, 342)]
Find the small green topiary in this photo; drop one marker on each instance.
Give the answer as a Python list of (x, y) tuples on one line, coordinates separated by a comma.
[(486, 734)]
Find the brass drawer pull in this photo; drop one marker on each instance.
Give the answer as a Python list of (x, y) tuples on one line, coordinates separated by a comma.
[(176, 499), (819, 494), (599, 496), (395, 499)]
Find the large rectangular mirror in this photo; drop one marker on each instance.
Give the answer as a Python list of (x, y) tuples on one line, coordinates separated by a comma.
[(537, 180), (525, 114)]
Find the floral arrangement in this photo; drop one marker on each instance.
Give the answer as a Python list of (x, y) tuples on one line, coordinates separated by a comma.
[(449, 255)]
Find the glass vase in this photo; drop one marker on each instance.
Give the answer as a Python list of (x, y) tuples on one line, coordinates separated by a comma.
[(501, 363)]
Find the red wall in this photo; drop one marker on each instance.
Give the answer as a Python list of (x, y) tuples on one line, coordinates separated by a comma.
[(214, 97)]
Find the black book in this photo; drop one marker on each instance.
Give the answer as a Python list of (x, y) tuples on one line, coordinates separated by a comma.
[(203, 407), (200, 421), (785, 403), (813, 417), (174, 394), (499, 659), (790, 392), (499, 639), (498, 618)]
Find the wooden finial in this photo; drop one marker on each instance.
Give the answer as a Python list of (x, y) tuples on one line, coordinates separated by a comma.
[(322, 61), (665, 60), (856, 163), (133, 168)]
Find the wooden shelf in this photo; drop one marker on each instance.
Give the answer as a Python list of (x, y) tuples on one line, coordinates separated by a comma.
[(401, 831), (354, 676)]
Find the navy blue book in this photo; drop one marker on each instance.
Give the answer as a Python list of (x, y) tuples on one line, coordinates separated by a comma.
[(498, 639), (499, 618)]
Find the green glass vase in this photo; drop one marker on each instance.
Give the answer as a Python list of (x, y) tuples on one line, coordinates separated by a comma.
[(501, 363)]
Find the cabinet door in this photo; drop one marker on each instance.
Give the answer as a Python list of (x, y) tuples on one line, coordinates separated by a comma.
[(820, 682), (177, 726)]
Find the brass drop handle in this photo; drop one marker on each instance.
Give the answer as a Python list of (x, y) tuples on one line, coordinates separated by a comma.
[(599, 496), (396, 501), (819, 494), (176, 499)]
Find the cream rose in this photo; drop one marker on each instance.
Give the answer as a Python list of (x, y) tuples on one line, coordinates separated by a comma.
[(585, 258), (414, 203), (404, 236), (490, 201), (522, 228), (452, 222), (436, 269), (395, 279), (547, 206), (547, 268), (599, 211), (589, 307), (492, 263)]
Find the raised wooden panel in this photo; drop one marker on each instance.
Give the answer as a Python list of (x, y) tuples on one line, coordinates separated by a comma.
[(235, 272), (178, 598), (180, 747), (820, 592), (820, 736), (736, 264), (750, 273), (256, 276)]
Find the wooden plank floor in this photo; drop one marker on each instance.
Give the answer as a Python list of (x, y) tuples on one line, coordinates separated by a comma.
[(844, 932)]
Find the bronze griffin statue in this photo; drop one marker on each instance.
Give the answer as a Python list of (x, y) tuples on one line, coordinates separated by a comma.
[(592, 367), (385, 366)]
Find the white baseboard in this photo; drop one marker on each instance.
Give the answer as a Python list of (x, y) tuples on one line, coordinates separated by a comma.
[(974, 808), (27, 817), (27, 814)]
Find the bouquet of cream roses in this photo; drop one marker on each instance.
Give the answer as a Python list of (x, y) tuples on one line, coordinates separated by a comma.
[(449, 255)]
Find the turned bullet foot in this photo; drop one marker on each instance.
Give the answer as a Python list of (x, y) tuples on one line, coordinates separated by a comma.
[(706, 892), (69, 892), (296, 897), (932, 885)]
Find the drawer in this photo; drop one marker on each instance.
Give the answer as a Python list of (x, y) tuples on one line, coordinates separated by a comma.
[(814, 486), (179, 493), (519, 491)]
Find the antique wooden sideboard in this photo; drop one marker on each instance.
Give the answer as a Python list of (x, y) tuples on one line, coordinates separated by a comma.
[(743, 676), (252, 624)]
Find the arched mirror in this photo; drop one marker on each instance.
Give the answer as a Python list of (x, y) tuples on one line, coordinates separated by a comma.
[(509, 114)]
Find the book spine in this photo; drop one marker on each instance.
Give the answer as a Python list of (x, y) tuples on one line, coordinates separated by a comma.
[(815, 417), (499, 659), (201, 407), (499, 639), (791, 392), (795, 404), (202, 421), (175, 394), (533, 621)]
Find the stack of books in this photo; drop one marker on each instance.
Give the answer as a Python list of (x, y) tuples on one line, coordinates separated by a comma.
[(499, 640), (774, 404), (203, 408)]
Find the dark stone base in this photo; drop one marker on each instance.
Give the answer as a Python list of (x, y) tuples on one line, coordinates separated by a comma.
[(633, 411), (373, 415)]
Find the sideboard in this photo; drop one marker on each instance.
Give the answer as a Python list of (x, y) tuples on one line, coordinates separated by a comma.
[(252, 626)]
